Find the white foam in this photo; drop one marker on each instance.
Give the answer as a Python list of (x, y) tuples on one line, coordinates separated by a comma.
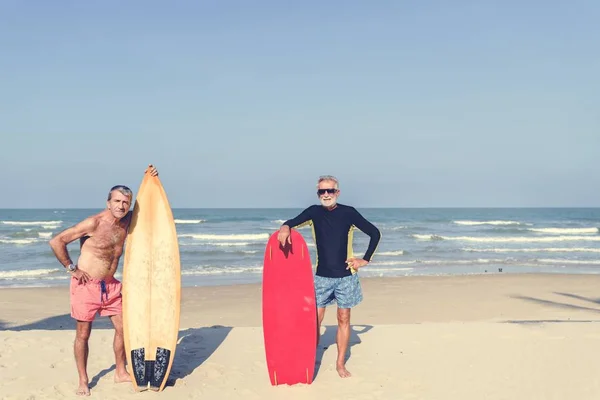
[(443, 262), (18, 241), (384, 253), (45, 235), (566, 231), (574, 262), (281, 221), (499, 222), (251, 236), (538, 250), (30, 273), (391, 253), (227, 244), (28, 223), (393, 262), (505, 239), (369, 270), (217, 244), (396, 228), (211, 270), (189, 221)]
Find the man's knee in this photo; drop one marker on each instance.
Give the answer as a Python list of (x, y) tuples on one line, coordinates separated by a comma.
[(84, 330), (117, 321), (343, 316), (320, 314)]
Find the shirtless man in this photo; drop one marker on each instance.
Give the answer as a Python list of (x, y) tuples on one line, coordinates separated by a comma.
[(93, 286)]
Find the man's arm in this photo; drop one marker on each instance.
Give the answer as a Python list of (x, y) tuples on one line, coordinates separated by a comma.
[(300, 219), (59, 242), (369, 229)]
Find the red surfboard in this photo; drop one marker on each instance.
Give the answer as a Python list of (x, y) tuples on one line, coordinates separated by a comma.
[(289, 311)]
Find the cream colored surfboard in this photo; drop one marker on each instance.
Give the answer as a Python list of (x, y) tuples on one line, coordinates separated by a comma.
[(151, 288)]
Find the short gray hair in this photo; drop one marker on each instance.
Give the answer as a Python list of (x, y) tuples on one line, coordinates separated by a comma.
[(122, 189), (329, 178)]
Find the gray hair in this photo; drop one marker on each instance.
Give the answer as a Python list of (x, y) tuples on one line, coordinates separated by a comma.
[(122, 189), (329, 178)]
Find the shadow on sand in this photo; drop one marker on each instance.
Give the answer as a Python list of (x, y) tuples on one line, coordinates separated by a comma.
[(56, 323), (562, 305), (328, 340), (194, 345)]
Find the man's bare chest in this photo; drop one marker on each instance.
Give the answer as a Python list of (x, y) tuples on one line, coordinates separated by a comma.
[(108, 238)]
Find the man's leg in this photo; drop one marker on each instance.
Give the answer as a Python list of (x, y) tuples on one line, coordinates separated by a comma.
[(342, 339), (81, 349), (348, 295), (320, 316), (121, 374), (324, 288)]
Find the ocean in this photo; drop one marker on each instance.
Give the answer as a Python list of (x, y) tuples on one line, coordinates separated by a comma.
[(226, 246)]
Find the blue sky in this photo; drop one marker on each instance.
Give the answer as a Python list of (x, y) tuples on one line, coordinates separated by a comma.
[(245, 104)]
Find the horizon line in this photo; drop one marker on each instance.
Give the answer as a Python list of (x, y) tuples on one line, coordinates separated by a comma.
[(288, 207)]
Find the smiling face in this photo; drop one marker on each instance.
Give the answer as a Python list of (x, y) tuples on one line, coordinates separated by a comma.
[(328, 192), (119, 202)]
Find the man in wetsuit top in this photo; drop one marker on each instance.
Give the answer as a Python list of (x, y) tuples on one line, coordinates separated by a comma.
[(336, 278)]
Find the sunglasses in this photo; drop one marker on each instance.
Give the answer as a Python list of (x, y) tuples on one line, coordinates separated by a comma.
[(321, 192)]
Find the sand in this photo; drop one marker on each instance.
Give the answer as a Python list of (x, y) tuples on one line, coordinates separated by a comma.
[(500, 336)]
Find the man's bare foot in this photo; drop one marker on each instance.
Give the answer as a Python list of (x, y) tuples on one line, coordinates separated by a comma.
[(121, 377), (83, 389), (342, 371)]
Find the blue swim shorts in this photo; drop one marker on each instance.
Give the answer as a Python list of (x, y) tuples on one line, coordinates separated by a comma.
[(345, 291)]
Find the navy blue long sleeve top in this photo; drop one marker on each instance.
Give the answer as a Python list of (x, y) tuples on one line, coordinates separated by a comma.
[(332, 231)]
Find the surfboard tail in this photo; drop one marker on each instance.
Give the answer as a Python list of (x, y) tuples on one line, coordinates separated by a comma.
[(150, 374)]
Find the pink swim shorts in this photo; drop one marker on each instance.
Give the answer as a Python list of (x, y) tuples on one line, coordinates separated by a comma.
[(95, 296)]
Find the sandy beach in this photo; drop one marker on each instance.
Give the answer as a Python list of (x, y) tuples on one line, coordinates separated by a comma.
[(501, 336)]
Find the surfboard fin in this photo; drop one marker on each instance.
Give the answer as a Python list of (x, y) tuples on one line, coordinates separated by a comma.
[(149, 374)]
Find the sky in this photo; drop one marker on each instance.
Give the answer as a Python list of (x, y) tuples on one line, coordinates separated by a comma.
[(245, 103)]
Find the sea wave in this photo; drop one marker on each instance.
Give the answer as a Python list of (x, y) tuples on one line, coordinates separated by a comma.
[(505, 239), (32, 223), (29, 273), (536, 250), (391, 253), (228, 244), (213, 270), (572, 262), (18, 241), (497, 222), (374, 270), (384, 253), (241, 236), (478, 261), (407, 262), (395, 228), (189, 221), (566, 231), (449, 262)]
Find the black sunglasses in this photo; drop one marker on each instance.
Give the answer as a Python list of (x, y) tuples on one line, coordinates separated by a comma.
[(323, 191)]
